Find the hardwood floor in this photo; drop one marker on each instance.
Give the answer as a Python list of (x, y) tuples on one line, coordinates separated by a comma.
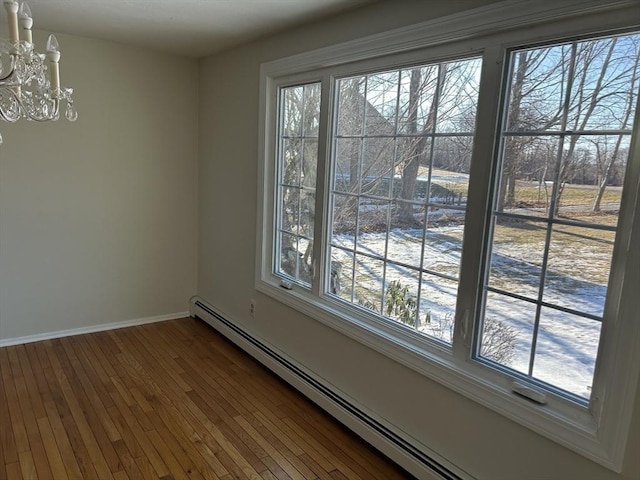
[(170, 400)]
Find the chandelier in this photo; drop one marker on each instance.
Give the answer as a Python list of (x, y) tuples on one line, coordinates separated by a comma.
[(30, 81)]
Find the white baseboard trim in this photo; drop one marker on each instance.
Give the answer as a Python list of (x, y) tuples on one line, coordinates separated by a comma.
[(411, 455), (7, 342)]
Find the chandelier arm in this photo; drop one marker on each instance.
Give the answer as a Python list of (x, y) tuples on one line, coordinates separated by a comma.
[(12, 68), (8, 119)]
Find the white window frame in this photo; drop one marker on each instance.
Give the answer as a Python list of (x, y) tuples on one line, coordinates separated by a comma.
[(598, 432)]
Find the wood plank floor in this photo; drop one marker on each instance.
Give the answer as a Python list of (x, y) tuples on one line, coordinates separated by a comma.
[(170, 400)]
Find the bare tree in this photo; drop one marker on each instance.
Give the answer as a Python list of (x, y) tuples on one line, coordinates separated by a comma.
[(576, 87), (441, 97), (412, 155), (606, 161), (583, 57), (530, 108)]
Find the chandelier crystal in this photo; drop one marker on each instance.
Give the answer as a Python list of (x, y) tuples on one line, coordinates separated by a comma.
[(30, 81)]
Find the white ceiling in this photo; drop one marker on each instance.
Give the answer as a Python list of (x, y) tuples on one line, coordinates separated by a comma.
[(187, 27)]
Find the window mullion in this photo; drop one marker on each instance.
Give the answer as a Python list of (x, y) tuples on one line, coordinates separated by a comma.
[(481, 176), (321, 259)]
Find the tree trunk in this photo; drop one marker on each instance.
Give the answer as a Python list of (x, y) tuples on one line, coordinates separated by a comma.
[(568, 159), (604, 178), (417, 148), (604, 175), (507, 194)]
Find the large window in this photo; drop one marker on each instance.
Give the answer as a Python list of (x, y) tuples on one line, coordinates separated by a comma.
[(401, 147), (564, 151), (468, 207)]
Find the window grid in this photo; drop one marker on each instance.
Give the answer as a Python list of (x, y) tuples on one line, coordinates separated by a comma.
[(296, 234), (418, 271), (565, 136)]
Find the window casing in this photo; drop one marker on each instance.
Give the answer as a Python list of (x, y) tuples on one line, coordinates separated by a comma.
[(577, 419)]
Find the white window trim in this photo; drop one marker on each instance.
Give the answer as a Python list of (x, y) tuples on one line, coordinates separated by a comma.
[(599, 434)]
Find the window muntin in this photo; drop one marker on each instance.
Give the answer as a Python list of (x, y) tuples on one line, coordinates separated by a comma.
[(402, 144), (565, 145), (299, 115)]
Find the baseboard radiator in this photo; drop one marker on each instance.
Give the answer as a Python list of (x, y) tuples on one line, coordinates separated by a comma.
[(425, 466)]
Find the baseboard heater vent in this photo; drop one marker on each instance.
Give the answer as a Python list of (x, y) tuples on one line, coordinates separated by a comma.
[(425, 461)]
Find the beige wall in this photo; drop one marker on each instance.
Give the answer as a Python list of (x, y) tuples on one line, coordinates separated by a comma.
[(479, 441), (98, 218)]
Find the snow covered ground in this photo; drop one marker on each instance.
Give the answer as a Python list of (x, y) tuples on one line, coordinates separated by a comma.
[(566, 345)]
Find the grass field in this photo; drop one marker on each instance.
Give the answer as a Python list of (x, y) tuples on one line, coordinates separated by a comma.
[(531, 194), (577, 195)]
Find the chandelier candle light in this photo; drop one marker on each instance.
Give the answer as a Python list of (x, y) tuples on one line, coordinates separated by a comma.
[(30, 81)]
